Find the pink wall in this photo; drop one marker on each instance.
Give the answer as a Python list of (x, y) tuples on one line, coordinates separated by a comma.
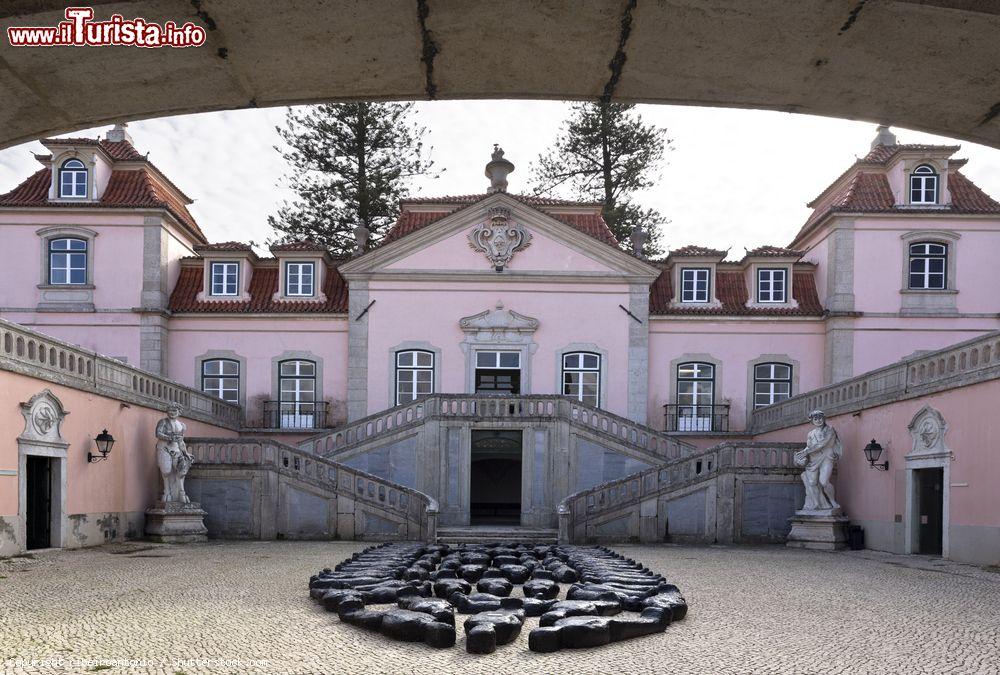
[(881, 341), (117, 256), (430, 311), (126, 481), (259, 341), (876, 496), (735, 344), (116, 336)]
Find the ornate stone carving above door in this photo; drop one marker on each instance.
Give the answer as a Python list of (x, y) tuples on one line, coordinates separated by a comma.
[(928, 429), (43, 415), (498, 325), (499, 238)]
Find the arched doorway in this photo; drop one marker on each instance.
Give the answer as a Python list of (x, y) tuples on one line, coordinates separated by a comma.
[(495, 478)]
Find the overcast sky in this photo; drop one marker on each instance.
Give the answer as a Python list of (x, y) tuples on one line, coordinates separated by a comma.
[(734, 179)]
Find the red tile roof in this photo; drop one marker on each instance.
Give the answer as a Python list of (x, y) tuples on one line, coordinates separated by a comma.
[(120, 150), (304, 245), (531, 200), (870, 193), (697, 251), (263, 286), (768, 251), (224, 246), (732, 292), (126, 189), (591, 224)]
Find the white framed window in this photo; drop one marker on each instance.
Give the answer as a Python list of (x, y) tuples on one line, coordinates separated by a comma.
[(695, 397), (924, 185), (772, 284), (772, 382), (582, 377), (67, 261), (221, 378), (297, 394), (928, 266), (225, 278), (300, 278), (73, 179), (414, 375), (498, 372), (695, 284)]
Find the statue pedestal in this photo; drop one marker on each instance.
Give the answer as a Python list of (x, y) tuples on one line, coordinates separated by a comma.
[(821, 530), (175, 522)]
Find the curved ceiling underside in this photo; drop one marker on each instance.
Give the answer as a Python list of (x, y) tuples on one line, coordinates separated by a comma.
[(932, 65)]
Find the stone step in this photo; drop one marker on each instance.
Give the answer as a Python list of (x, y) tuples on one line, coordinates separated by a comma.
[(489, 533)]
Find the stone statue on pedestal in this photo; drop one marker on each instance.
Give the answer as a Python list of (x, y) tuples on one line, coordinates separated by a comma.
[(172, 456), (823, 450), (820, 523), (174, 518)]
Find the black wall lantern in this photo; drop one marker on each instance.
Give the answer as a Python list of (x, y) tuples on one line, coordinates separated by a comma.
[(104, 442), (872, 452)]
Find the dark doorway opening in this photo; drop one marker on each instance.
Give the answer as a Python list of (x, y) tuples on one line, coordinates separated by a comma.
[(38, 513), (930, 510), (495, 478)]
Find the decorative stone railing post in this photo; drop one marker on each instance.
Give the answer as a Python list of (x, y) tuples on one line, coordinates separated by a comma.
[(563, 512), (432, 521)]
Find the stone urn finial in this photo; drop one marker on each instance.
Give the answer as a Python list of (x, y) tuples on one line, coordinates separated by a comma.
[(883, 136), (497, 170)]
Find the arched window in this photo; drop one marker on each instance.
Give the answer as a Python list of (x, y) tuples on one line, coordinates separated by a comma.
[(221, 378), (928, 266), (297, 394), (772, 382), (695, 397), (73, 179), (67, 261), (924, 185), (414, 375), (582, 377)]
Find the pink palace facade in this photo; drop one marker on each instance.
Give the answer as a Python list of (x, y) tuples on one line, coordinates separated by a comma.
[(897, 258)]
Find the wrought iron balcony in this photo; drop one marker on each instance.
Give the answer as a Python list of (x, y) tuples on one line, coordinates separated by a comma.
[(705, 418), (291, 415)]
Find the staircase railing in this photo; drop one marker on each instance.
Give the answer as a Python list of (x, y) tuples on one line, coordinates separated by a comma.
[(597, 502), (419, 509), (484, 407)]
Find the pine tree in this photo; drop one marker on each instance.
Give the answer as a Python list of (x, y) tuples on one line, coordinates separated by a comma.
[(351, 164), (606, 152)]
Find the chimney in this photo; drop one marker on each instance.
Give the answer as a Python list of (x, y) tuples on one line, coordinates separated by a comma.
[(118, 134), (497, 171), (883, 137)]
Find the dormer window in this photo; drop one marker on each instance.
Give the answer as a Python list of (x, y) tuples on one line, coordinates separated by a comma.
[(225, 278), (73, 179), (300, 279), (772, 285), (924, 185), (695, 284)]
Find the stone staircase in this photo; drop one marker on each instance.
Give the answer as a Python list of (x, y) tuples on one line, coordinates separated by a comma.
[(485, 534)]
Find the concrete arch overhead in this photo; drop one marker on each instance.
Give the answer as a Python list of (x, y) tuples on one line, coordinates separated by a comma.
[(932, 65)]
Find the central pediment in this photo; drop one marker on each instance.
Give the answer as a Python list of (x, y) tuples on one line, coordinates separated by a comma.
[(498, 320), (500, 237)]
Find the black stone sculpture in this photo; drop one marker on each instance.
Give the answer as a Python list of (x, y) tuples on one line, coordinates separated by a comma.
[(610, 598)]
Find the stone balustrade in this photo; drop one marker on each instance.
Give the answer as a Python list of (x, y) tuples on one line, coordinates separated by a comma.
[(416, 511), (969, 362), (637, 493), (479, 407), (30, 353)]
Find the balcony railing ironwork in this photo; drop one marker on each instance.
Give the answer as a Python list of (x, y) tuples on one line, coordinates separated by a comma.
[(292, 415), (705, 418)]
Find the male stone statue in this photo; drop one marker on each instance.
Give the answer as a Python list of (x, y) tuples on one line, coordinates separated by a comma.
[(172, 456), (823, 449)]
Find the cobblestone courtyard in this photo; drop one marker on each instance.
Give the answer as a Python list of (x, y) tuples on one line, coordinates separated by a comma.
[(244, 607)]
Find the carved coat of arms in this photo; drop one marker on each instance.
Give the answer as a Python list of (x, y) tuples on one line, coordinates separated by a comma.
[(499, 238)]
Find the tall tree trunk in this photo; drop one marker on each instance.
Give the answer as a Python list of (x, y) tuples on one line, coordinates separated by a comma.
[(364, 202), (609, 198)]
